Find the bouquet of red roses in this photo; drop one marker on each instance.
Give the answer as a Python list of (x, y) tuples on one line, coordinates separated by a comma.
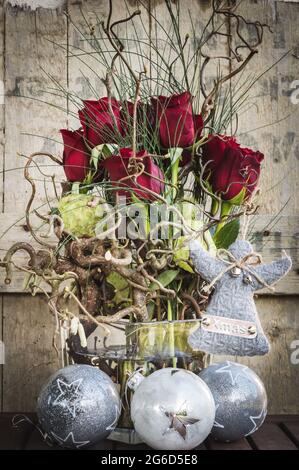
[(149, 167)]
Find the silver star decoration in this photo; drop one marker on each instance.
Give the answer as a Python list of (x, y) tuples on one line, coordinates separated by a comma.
[(69, 439), (216, 424), (114, 422), (257, 421), (234, 370), (69, 395)]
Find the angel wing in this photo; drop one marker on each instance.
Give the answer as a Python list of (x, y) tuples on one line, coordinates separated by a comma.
[(205, 264), (271, 272)]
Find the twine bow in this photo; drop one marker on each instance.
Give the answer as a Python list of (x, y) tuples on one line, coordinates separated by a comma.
[(251, 259)]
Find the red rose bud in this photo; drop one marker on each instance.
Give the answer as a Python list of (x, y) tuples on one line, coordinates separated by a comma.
[(152, 178), (231, 168), (177, 125), (76, 160), (213, 150), (97, 121)]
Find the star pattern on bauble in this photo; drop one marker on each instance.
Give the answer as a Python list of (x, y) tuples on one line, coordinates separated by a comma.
[(69, 395), (69, 439), (257, 421), (114, 422), (216, 424), (234, 370)]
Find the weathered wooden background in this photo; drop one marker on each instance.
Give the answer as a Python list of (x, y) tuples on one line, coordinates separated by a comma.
[(27, 46)]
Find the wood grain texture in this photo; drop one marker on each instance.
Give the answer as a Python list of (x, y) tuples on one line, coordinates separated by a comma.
[(2, 100), (271, 437), (280, 321), (30, 356), (27, 53), (2, 346), (2, 140), (269, 121), (270, 235), (31, 60), (276, 434), (237, 445)]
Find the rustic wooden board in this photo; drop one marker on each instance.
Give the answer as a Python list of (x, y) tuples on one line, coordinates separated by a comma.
[(86, 70), (2, 102), (271, 235), (275, 434), (3, 352), (271, 123), (2, 140), (30, 357), (28, 53), (279, 317), (238, 445), (271, 437), (292, 430)]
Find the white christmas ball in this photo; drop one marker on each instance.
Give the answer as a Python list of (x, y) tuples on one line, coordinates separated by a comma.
[(173, 409)]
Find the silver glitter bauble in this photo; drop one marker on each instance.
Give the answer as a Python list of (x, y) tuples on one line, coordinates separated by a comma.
[(78, 406), (240, 399), (173, 409)]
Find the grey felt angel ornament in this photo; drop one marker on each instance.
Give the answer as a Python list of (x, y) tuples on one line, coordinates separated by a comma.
[(231, 324)]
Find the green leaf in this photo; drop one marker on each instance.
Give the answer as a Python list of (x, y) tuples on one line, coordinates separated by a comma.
[(175, 154), (181, 254), (227, 234), (151, 309), (165, 278), (102, 151), (239, 198), (122, 289), (75, 188), (54, 211)]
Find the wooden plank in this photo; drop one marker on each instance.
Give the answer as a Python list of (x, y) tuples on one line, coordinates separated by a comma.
[(202, 446), (30, 357), (26, 436), (270, 237), (2, 353), (271, 103), (84, 63), (2, 102), (242, 444), (30, 103), (200, 13), (11, 437), (2, 140), (271, 437), (13, 230), (279, 373), (292, 430)]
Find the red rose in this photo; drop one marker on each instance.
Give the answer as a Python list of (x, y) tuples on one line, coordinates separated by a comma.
[(231, 167), (178, 126), (117, 167), (97, 121), (215, 147), (76, 160)]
